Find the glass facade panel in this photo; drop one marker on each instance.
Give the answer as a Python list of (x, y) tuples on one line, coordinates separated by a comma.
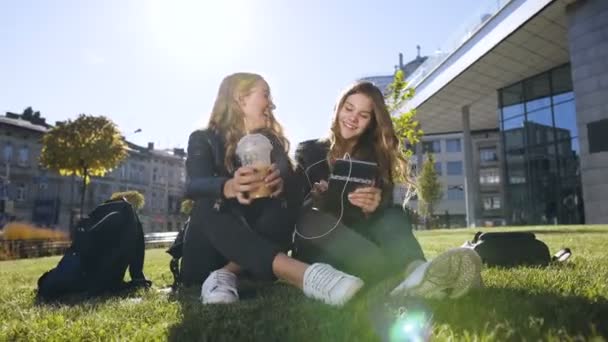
[(540, 127), (565, 120), (557, 99), (561, 79), (543, 102), (513, 111), (541, 151), (536, 87), (513, 95)]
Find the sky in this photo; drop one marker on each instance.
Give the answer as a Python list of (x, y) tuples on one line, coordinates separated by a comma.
[(156, 65)]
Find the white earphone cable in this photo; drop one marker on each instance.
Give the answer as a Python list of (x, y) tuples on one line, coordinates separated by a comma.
[(350, 168)]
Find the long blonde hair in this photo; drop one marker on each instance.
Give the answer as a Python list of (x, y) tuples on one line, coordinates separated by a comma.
[(379, 141), (227, 118)]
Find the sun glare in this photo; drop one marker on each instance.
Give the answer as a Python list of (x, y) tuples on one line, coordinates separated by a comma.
[(192, 30)]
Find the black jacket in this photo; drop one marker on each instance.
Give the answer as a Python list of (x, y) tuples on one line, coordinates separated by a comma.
[(206, 172), (313, 166)]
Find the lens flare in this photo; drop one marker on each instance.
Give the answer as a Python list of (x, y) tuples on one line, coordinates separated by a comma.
[(411, 326)]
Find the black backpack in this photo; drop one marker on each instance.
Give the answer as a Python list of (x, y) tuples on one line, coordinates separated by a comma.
[(510, 249), (105, 244), (176, 250)]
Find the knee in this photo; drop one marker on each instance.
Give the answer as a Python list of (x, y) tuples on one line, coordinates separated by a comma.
[(396, 217)]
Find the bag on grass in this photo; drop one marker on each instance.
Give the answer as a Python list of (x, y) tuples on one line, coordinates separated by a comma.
[(176, 250), (510, 249), (105, 244)]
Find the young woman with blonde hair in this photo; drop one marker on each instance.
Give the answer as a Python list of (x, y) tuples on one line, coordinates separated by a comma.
[(230, 232)]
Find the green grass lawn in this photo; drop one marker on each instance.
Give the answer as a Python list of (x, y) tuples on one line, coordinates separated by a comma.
[(567, 302)]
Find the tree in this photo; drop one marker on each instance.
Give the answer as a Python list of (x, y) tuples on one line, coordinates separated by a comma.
[(136, 199), (405, 123), (429, 189), (88, 146), (186, 206)]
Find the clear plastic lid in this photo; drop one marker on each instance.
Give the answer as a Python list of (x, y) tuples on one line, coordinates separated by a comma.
[(254, 149)]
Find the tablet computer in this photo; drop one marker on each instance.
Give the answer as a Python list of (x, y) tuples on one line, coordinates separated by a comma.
[(346, 176)]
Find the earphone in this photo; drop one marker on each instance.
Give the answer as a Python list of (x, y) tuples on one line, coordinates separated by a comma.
[(350, 168)]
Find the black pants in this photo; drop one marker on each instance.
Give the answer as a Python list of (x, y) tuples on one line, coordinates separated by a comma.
[(372, 249), (251, 236)]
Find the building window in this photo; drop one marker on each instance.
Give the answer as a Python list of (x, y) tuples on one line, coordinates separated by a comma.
[(488, 154), (542, 154), (124, 171), (154, 174), (491, 202), (21, 192), (454, 168), (8, 152), (438, 168), (433, 146), (24, 156), (453, 145), (455, 192), (489, 177)]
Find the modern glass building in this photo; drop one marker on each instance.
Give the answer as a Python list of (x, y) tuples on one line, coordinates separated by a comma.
[(542, 156), (542, 65)]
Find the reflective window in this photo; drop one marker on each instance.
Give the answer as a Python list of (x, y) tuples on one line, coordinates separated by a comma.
[(438, 168), (8, 152), (565, 119), (542, 150), (513, 123), (543, 102), (491, 202), (455, 192), (453, 145), (536, 87), (454, 168), (489, 176), (433, 146), (513, 139), (561, 79), (557, 99), (512, 95), (488, 154), (24, 156), (512, 111)]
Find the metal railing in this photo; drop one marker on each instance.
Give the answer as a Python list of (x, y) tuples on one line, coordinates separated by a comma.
[(456, 40), (35, 248)]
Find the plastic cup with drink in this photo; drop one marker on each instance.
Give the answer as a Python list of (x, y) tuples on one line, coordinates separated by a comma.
[(254, 150)]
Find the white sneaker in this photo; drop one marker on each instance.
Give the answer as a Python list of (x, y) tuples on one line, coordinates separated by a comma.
[(219, 288), (452, 274), (333, 287)]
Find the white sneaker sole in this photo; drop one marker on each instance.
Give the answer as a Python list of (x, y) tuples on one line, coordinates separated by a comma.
[(456, 272), (219, 300), (350, 292)]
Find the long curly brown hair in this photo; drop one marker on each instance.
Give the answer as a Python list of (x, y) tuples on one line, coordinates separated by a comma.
[(227, 118), (379, 142)]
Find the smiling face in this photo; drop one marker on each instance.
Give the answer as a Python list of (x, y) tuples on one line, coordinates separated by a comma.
[(256, 106), (354, 117)]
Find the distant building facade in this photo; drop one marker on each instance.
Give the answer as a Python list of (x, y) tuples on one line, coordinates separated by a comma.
[(33, 194)]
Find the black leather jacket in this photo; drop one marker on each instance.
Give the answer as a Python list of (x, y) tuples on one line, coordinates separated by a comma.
[(206, 172), (312, 166)]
